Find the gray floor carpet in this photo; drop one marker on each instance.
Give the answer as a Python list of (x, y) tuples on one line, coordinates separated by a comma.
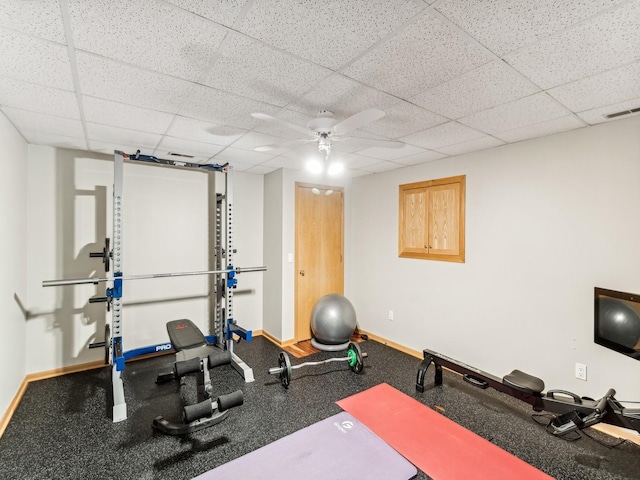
[(62, 427)]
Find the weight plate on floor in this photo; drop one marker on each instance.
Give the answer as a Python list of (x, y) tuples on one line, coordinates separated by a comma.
[(354, 351), (285, 364)]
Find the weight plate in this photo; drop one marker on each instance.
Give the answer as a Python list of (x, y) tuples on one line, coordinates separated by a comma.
[(107, 343), (285, 364), (354, 351)]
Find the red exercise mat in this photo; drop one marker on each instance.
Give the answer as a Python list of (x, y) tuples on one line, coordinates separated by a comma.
[(436, 445)]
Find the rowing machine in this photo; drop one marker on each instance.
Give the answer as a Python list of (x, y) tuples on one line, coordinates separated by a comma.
[(574, 412)]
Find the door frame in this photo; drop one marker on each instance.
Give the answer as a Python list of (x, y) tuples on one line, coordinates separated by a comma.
[(335, 188)]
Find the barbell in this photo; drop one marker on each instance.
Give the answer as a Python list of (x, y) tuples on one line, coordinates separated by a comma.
[(355, 358), (96, 280)]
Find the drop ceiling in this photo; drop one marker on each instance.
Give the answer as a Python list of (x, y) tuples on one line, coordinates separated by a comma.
[(184, 76)]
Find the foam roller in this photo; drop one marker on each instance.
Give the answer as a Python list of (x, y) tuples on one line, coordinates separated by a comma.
[(230, 400), (196, 411), (187, 366), (219, 358)]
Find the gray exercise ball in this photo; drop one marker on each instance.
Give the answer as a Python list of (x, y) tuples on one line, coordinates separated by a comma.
[(333, 319)]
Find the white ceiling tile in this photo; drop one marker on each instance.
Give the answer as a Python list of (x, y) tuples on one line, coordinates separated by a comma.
[(608, 41), (355, 161), (284, 162), (504, 25), (52, 140), (343, 96), (485, 87), (327, 33), (106, 112), (603, 89), (381, 167), (443, 135), (36, 98), (215, 106), (192, 129), (115, 135), (41, 123), (249, 157), (391, 153), (598, 115), (549, 127), (471, 146), (249, 68), (187, 147), (423, 157), (425, 54), (146, 33), (224, 13), (519, 113), (358, 173), (103, 78), (37, 61), (41, 18), (307, 151), (404, 119), (261, 169), (254, 139)]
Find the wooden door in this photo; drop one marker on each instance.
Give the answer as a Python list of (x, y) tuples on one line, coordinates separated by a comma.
[(319, 264)]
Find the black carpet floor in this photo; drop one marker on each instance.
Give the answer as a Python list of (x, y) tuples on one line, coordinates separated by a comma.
[(62, 427)]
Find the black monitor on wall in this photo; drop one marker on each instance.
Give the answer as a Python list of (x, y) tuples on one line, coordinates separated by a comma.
[(617, 321)]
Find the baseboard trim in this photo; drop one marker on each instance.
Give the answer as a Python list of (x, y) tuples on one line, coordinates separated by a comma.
[(276, 342), (394, 345)]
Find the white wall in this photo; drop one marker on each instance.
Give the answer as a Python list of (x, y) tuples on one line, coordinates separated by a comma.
[(547, 220), (166, 227), (13, 258)]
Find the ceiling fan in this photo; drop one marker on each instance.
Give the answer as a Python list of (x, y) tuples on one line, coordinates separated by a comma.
[(326, 129)]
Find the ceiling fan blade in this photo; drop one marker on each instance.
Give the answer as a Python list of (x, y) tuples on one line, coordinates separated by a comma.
[(269, 118), (278, 146), (371, 143), (356, 121)]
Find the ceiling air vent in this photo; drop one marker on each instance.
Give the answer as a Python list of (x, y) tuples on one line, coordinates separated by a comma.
[(183, 155), (624, 112)]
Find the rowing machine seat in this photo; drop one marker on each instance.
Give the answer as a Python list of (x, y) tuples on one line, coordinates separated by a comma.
[(524, 382)]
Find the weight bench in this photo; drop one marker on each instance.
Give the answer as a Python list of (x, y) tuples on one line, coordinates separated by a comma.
[(195, 355)]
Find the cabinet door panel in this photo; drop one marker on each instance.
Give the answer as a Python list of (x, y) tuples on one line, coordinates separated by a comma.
[(444, 219), (413, 238)]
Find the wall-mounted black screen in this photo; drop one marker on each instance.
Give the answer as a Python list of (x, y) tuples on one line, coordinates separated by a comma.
[(617, 321)]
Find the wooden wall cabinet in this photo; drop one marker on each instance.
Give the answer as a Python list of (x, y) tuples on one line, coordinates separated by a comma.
[(431, 219)]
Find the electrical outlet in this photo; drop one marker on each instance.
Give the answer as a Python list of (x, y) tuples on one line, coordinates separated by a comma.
[(581, 371), (391, 315)]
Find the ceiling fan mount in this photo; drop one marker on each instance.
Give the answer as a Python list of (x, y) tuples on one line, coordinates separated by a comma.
[(325, 129)]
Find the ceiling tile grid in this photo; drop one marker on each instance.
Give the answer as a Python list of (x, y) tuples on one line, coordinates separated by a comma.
[(451, 76)]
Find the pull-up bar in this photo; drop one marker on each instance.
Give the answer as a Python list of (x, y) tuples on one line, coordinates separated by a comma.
[(81, 281)]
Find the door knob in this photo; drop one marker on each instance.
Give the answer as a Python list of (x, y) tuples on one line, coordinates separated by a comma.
[(302, 273)]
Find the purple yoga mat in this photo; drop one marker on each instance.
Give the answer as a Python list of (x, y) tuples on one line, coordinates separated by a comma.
[(336, 448)]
